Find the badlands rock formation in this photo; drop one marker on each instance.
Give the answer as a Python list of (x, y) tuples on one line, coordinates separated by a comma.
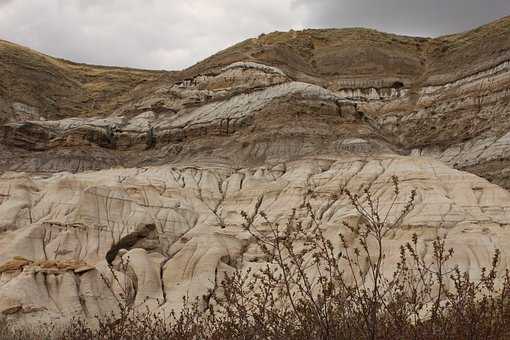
[(102, 166)]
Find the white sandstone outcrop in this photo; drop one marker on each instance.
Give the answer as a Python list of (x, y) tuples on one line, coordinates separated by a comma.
[(118, 180), (196, 211)]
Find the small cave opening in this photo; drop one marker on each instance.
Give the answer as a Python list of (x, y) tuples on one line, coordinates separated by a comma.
[(397, 85)]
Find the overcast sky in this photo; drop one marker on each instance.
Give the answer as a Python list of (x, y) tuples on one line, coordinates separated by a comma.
[(174, 34)]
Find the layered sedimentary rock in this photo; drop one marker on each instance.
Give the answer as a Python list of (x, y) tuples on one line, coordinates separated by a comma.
[(77, 218), (446, 97), (144, 173)]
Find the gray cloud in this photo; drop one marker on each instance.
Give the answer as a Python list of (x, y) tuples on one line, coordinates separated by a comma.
[(173, 34), (412, 17), (160, 34), (4, 2)]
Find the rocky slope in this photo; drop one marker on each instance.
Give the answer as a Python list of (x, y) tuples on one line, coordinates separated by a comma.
[(163, 162)]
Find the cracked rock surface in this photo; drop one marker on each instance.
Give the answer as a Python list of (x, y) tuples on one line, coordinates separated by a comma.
[(197, 235), (144, 173)]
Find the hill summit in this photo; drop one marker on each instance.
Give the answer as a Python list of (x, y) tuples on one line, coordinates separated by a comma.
[(102, 163)]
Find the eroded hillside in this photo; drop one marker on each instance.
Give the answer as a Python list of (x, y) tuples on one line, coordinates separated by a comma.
[(92, 155)]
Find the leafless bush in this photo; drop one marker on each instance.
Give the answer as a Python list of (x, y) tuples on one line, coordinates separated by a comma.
[(311, 287), (43, 331)]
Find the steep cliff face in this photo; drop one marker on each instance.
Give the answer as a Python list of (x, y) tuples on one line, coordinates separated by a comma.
[(446, 97), (100, 163), (61, 228)]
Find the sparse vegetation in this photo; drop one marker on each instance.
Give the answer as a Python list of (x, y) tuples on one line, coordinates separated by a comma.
[(82, 90), (309, 287)]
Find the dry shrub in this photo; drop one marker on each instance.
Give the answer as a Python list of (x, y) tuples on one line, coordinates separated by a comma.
[(309, 289), (42, 332)]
